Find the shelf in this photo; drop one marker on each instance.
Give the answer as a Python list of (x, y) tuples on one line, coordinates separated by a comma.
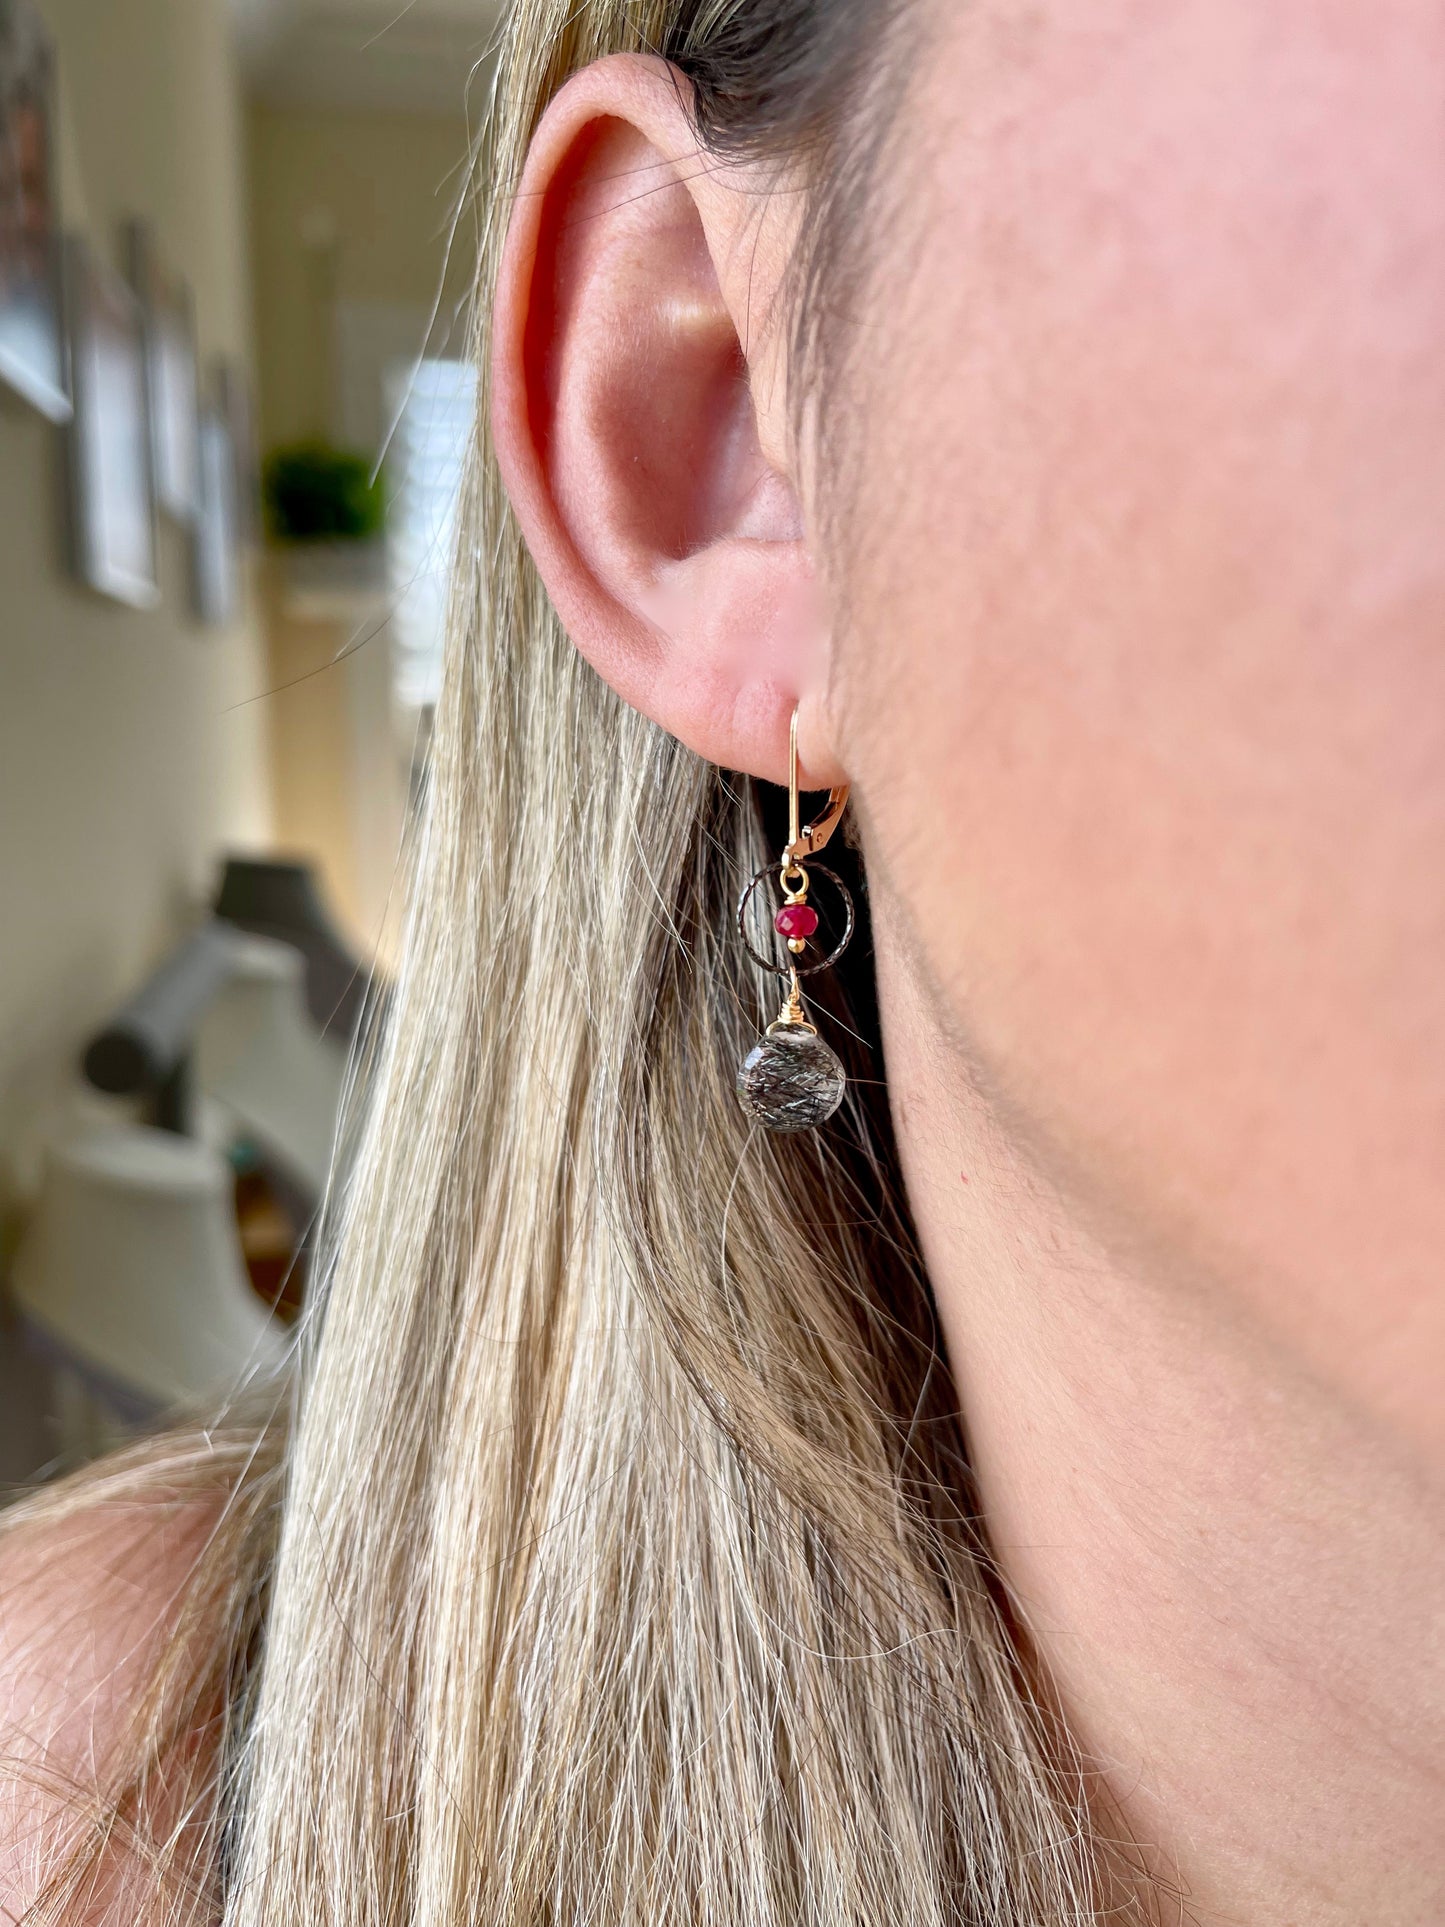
[(332, 581)]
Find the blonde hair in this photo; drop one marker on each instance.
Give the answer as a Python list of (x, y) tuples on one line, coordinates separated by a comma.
[(625, 1571)]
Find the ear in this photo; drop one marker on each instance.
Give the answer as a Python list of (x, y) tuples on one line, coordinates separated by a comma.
[(640, 418)]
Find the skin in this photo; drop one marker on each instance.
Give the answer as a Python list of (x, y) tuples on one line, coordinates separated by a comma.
[(1124, 620), (87, 1609)]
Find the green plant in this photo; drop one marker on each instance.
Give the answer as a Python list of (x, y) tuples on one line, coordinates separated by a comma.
[(316, 493)]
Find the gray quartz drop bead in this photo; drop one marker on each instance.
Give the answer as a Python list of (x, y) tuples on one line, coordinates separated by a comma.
[(792, 1081)]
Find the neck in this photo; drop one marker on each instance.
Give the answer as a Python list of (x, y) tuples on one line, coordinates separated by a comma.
[(1232, 1578)]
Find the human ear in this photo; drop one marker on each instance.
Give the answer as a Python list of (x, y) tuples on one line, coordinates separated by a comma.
[(640, 418)]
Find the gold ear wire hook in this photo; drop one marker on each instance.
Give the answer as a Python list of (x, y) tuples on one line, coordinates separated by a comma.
[(813, 836)]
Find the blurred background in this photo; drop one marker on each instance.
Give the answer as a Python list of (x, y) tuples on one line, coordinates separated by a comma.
[(236, 245)]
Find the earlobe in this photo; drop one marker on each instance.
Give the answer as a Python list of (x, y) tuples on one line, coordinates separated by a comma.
[(643, 447)]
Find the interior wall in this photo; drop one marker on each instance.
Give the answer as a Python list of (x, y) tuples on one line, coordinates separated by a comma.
[(354, 241), (348, 208), (133, 746)]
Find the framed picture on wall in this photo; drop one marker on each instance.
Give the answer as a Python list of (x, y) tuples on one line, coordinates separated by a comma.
[(113, 512), (216, 559), (32, 339), (172, 376), (237, 405)]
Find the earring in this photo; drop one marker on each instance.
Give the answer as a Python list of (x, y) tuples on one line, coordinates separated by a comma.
[(792, 1080)]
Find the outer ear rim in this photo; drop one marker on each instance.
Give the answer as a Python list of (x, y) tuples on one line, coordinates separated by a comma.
[(586, 97), (652, 96)]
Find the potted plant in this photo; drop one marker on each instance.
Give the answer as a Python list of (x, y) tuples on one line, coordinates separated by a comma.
[(326, 510)]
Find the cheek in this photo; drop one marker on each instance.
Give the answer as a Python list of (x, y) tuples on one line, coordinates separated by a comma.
[(1144, 690)]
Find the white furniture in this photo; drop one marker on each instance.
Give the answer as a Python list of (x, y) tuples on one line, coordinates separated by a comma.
[(258, 1054), (130, 1277)]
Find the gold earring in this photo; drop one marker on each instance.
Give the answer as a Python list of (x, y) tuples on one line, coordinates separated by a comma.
[(792, 1080)]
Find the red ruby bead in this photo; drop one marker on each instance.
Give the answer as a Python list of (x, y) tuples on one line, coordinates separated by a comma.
[(796, 920)]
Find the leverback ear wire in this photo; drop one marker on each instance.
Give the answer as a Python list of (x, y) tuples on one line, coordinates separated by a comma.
[(814, 837), (791, 873)]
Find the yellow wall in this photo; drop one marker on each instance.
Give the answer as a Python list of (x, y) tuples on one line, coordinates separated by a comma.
[(132, 746), (345, 208), (350, 207)]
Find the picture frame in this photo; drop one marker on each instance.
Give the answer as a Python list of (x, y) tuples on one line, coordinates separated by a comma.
[(173, 383), (33, 349), (236, 400), (216, 543), (112, 492)]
